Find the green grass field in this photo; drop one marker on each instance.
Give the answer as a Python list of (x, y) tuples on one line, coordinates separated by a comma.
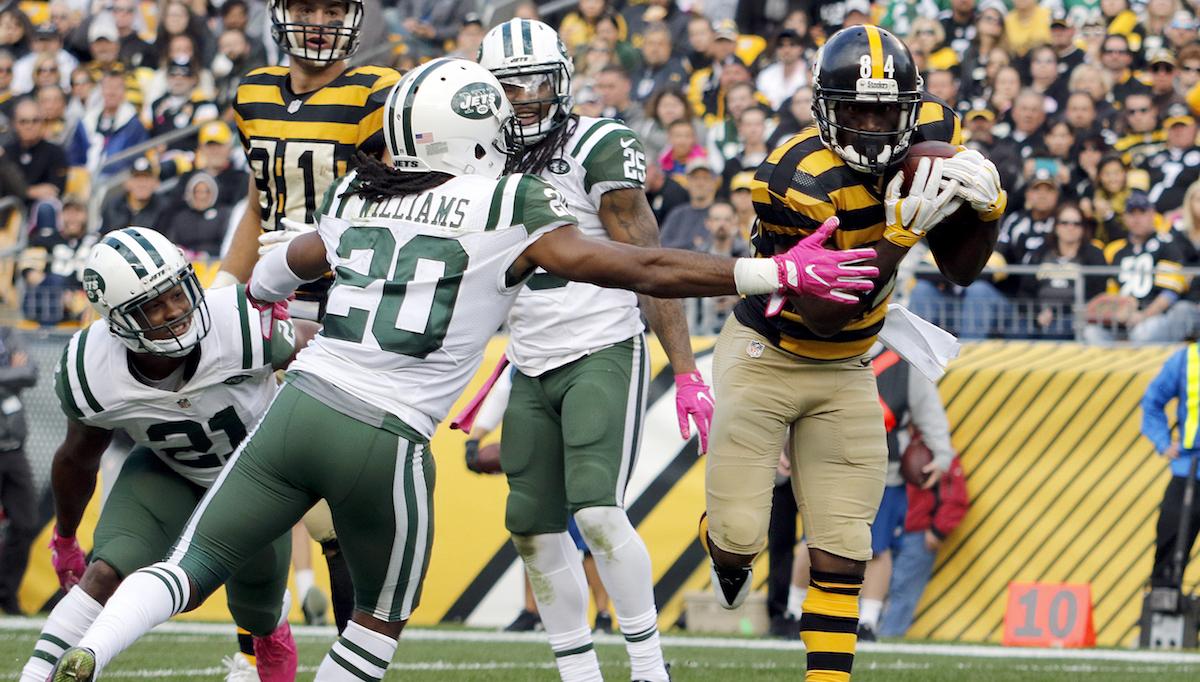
[(193, 652)]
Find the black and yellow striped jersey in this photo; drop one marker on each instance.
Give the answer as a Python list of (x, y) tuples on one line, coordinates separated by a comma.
[(800, 185), (297, 145), (1147, 269)]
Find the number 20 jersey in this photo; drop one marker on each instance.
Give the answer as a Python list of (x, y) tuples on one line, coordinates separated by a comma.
[(193, 430), (554, 321), (420, 285)]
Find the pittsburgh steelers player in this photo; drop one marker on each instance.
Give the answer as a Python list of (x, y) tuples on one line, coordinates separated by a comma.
[(429, 254), (573, 422), (301, 126), (806, 369), (185, 374)]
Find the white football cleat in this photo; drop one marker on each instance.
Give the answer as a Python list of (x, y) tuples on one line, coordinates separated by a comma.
[(240, 669)]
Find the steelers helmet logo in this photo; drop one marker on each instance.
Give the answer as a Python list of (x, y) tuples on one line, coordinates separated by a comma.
[(476, 101), (93, 285)]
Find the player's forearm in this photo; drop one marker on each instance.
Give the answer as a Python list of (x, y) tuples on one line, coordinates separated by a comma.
[(961, 250), (669, 323), (73, 486), (826, 318), (243, 248)]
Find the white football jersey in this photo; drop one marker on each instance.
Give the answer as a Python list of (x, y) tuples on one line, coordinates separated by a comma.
[(420, 286), (195, 429), (554, 321)]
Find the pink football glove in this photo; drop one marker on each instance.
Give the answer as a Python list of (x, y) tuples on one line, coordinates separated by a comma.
[(810, 269), (693, 397), (67, 558), (269, 313)]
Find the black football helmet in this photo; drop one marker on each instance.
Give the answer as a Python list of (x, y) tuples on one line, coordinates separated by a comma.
[(866, 97), (338, 41)]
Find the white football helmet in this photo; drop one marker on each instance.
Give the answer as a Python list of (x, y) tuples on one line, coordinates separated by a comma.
[(527, 56), (451, 116), (291, 34), (132, 267)]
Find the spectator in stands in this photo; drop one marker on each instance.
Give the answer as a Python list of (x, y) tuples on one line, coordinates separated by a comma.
[(1028, 117), (1116, 57), (235, 58), (137, 204), (103, 44), (1026, 26), (1162, 81), (943, 85), (723, 142), (199, 226), (780, 79), (43, 164), (17, 494), (1002, 94), (682, 148), (1080, 113), (45, 72), (700, 38), (46, 41), (578, 27), (663, 192), (1179, 447), (134, 52), (178, 19), (214, 158), (587, 102), (613, 86), (1084, 171), (52, 264), (1156, 16), (1188, 73), (469, 38), (6, 92), (684, 227), (989, 35), (591, 59), (743, 205), (1181, 32), (1142, 135), (661, 70), (82, 88), (640, 17), (708, 87), (751, 131), (1062, 39), (70, 28), (1161, 316), (1175, 168), (795, 116), (1004, 153), (1045, 79), (1123, 21), (927, 42), (1060, 143), (183, 105), (958, 24), (608, 33), (1108, 203), (1097, 83), (722, 240), (15, 31), (107, 129), (1065, 249), (52, 102)]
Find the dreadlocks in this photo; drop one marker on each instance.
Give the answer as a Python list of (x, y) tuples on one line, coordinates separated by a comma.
[(533, 160), (377, 181)]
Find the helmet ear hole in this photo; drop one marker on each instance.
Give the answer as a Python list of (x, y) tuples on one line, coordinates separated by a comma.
[(480, 152)]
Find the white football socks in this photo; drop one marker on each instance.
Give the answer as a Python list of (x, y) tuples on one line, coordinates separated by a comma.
[(868, 612), (65, 626), (304, 582), (795, 603), (358, 654), (560, 589), (144, 599), (624, 567)]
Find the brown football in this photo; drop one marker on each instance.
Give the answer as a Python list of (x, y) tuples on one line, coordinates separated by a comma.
[(489, 458), (930, 149), (916, 456)]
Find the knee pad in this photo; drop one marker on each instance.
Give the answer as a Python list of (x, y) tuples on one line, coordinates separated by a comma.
[(603, 528), (591, 483), (319, 522), (738, 531), (521, 513)]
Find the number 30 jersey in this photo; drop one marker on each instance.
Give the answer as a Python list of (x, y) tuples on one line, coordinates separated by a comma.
[(420, 285), (196, 428), (554, 321)]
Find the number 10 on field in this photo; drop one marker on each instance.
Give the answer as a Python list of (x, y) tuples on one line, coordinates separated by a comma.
[(1049, 615)]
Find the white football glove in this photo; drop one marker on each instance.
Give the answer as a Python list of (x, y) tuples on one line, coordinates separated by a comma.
[(289, 230), (930, 200), (979, 182)]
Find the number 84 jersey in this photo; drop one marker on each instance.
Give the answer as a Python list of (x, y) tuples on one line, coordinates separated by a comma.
[(195, 429)]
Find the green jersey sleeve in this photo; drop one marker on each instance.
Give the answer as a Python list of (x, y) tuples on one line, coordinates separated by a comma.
[(617, 160), (536, 205), (282, 344)]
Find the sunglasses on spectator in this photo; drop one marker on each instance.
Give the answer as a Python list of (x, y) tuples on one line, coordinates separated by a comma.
[(1162, 68)]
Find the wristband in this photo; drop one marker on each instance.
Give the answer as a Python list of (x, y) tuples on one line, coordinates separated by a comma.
[(273, 279), (222, 279), (900, 236), (754, 276), (996, 210)]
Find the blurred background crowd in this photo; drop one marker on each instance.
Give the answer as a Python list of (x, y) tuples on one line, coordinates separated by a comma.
[(118, 112)]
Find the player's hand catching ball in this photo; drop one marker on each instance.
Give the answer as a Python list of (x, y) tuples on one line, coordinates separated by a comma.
[(929, 202), (289, 229), (810, 269), (67, 558), (978, 182)]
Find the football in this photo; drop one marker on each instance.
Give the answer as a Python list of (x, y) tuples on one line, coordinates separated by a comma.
[(916, 456), (489, 459), (930, 149)]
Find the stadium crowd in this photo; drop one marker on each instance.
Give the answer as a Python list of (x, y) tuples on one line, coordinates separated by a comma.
[(1087, 108)]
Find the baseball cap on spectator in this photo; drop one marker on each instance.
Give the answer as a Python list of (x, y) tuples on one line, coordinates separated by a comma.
[(863, 7), (698, 164), (181, 67), (46, 31), (1161, 56), (142, 166), (74, 201), (1043, 176), (1138, 201), (102, 28), (996, 5), (726, 29), (1059, 19), (980, 112), (472, 18), (788, 34), (215, 132), (741, 181), (587, 95), (1178, 114)]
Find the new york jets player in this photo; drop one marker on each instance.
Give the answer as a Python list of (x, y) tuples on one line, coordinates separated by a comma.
[(572, 426), (428, 255), (186, 375)]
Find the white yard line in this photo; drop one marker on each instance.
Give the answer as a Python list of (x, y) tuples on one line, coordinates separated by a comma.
[(900, 648)]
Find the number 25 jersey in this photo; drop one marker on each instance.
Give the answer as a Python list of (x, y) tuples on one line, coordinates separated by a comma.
[(195, 429)]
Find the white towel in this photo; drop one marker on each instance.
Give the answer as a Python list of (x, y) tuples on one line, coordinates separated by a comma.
[(923, 344)]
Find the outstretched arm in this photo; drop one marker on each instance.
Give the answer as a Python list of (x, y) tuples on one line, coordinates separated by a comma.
[(73, 473), (281, 271), (243, 249), (627, 217)]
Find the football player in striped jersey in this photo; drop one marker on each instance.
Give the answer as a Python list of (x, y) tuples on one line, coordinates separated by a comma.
[(592, 340), (430, 253), (185, 374), (301, 126), (805, 370)]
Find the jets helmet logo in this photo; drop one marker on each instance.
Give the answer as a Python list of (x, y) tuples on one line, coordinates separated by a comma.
[(93, 285), (476, 101)]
